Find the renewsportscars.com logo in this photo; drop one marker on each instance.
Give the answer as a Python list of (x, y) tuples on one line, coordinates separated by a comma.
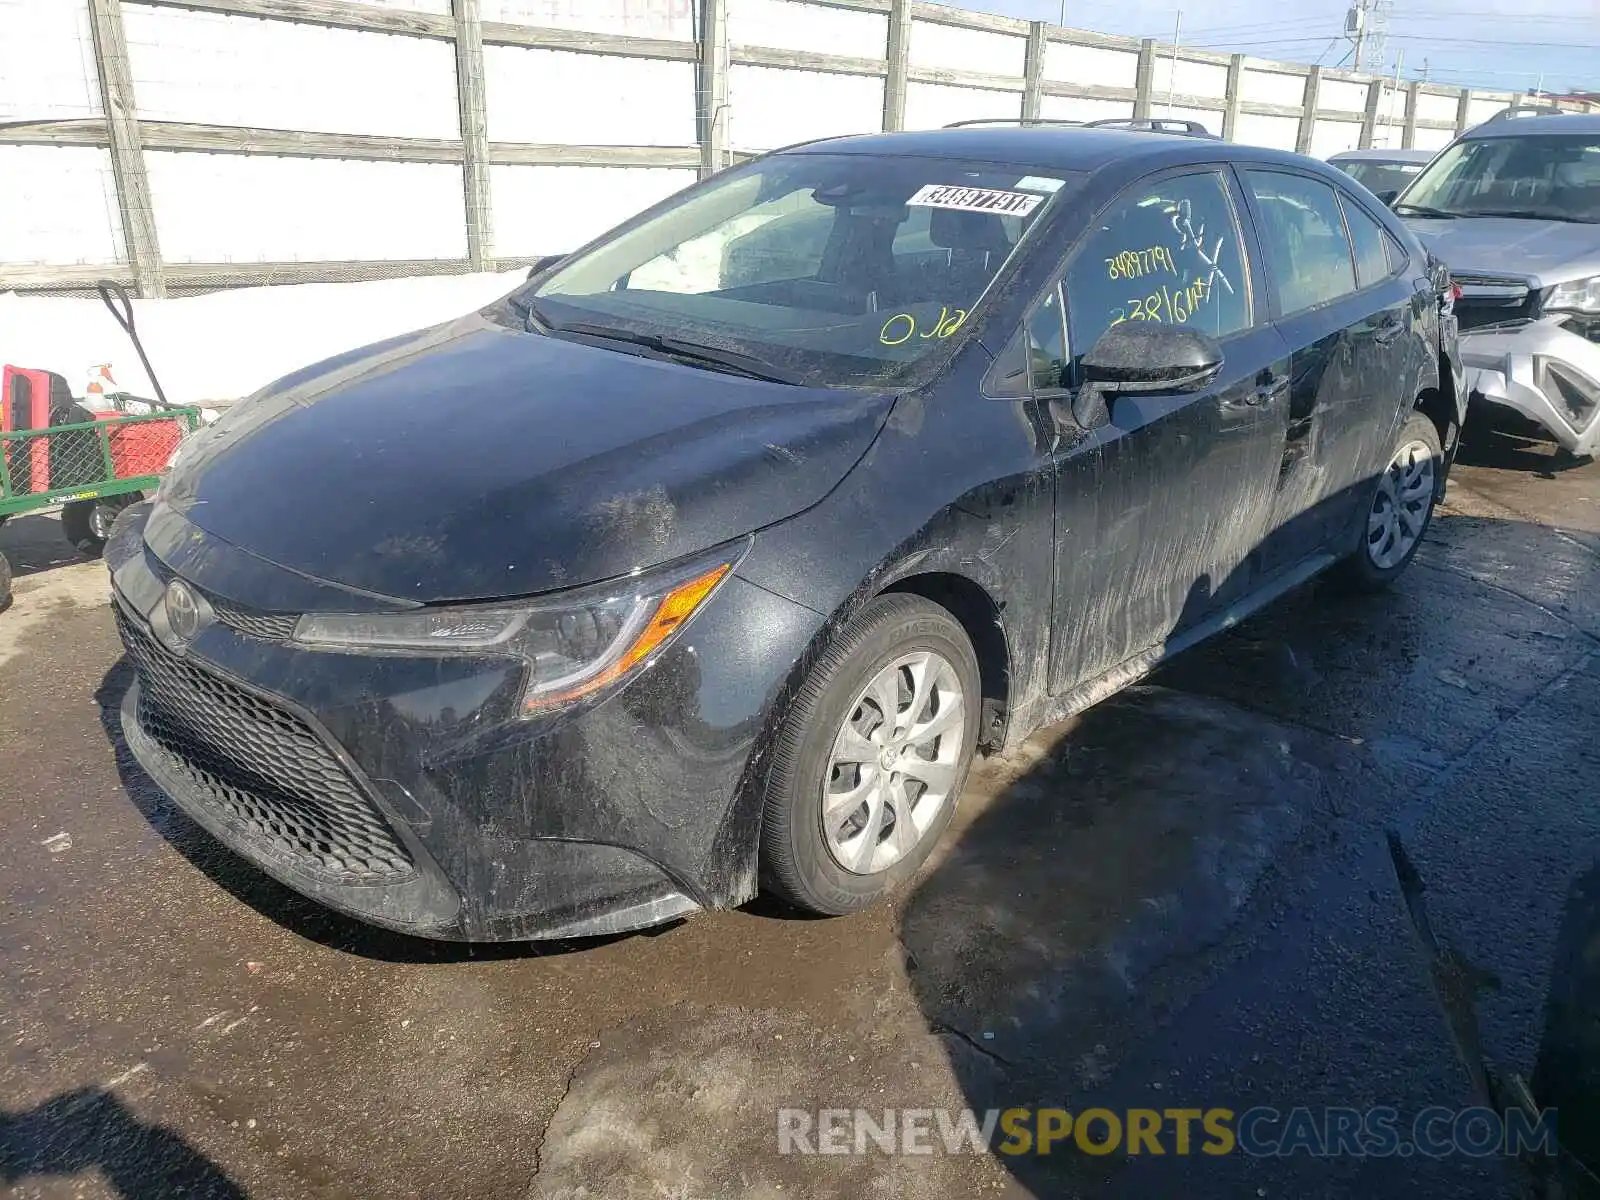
[(1380, 1132)]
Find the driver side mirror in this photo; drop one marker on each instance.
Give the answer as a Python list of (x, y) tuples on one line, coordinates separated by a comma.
[(1388, 196), (1143, 356)]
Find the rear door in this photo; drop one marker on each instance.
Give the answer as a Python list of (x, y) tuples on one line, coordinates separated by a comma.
[(1399, 339), (1349, 328), (1159, 510)]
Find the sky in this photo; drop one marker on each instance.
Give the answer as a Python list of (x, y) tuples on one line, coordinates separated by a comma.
[(1489, 44)]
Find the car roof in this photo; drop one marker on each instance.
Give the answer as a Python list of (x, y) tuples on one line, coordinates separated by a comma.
[(1535, 126), (1060, 148), (1375, 155)]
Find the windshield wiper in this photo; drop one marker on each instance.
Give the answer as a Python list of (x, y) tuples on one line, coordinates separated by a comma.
[(1422, 210), (1532, 214), (533, 318), (715, 358)]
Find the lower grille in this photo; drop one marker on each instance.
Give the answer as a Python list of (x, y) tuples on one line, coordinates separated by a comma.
[(261, 769), (1476, 316)]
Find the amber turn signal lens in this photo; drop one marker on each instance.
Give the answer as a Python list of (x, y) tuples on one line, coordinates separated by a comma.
[(676, 607)]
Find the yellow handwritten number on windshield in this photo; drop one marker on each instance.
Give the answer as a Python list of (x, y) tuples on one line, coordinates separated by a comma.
[(902, 327)]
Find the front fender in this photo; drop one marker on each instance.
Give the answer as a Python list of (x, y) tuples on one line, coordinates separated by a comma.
[(955, 485)]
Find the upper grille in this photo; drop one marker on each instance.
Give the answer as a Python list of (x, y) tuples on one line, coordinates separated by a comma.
[(260, 768), (274, 627)]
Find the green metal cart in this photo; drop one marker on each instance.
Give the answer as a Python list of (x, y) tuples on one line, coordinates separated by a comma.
[(92, 469)]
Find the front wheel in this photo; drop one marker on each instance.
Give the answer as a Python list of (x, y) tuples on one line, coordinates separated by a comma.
[(871, 757), (1400, 508), (5, 583)]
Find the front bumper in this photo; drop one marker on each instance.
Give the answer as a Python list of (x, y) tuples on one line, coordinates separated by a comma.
[(1544, 371), (405, 792)]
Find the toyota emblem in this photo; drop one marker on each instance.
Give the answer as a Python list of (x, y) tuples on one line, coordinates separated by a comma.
[(183, 611)]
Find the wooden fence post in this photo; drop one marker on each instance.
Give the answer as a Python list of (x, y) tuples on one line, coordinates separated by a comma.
[(1033, 71), (898, 57), (712, 83), (474, 134), (127, 152), (1369, 115), (1144, 78), (1233, 97), (1308, 111)]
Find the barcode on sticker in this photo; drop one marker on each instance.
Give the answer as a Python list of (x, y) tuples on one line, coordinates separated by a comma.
[(972, 199)]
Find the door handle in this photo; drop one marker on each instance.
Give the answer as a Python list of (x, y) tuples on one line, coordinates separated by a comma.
[(1260, 396), (1266, 393), (1389, 330)]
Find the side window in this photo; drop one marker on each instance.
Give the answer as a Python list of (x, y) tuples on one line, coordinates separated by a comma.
[(1399, 257), (1167, 251), (1308, 254), (1367, 236), (1047, 344)]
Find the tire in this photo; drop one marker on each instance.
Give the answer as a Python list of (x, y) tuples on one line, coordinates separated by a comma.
[(839, 863), (1384, 546), (87, 523), (76, 525), (5, 583)]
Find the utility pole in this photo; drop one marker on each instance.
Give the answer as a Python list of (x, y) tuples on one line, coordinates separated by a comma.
[(1172, 78), (1355, 28), (1366, 25)]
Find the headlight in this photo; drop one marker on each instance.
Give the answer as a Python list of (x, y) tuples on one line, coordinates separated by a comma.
[(1580, 295), (574, 643)]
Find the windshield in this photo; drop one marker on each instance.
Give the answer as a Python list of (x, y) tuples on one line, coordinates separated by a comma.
[(1379, 177), (1552, 177), (840, 270)]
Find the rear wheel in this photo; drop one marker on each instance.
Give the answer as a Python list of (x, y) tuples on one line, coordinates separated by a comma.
[(872, 757), (5, 583), (1400, 508), (87, 523)]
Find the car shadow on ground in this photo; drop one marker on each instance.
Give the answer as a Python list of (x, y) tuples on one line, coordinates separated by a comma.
[(33, 542), (92, 1130), (1566, 1075), (1185, 899), (266, 895), (1510, 442)]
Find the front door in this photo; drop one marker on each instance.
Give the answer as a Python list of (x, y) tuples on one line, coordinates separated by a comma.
[(1158, 513)]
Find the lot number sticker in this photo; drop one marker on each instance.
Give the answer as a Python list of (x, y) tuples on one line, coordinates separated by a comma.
[(973, 199)]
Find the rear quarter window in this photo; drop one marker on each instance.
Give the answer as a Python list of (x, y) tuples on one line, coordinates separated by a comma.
[(1367, 238)]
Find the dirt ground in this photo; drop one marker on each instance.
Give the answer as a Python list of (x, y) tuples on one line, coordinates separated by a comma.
[(1188, 896)]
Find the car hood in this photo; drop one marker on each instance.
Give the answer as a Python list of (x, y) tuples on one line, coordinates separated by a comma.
[(474, 461), (1544, 252)]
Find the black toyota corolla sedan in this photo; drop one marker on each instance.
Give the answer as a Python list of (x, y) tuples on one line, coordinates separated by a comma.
[(705, 561)]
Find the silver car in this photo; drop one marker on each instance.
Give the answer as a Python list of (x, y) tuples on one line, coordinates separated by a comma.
[(1513, 208), (1383, 172)]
